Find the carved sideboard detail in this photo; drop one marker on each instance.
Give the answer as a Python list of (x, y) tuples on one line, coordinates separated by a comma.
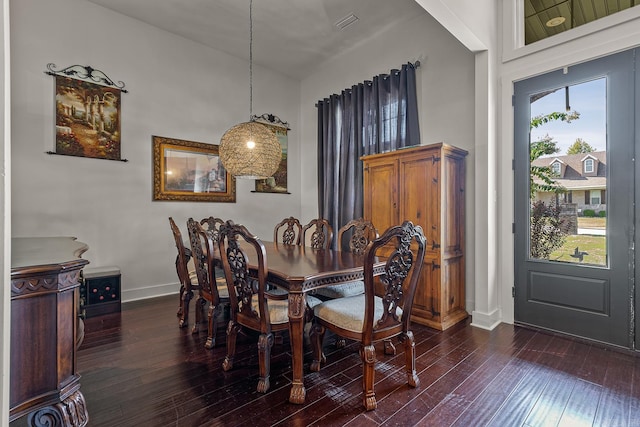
[(45, 280)]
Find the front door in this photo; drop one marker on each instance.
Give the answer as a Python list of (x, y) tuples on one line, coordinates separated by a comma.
[(574, 200)]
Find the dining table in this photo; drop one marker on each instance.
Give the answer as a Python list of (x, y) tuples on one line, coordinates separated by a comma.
[(302, 270)]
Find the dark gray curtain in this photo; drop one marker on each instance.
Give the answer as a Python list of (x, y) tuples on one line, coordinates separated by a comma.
[(371, 117)]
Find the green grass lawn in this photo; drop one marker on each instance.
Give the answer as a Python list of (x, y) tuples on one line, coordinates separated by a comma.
[(595, 246)]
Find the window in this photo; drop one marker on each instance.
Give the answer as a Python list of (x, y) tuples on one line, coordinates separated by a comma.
[(588, 166), (594, 197), (556, 168), (545, 18)]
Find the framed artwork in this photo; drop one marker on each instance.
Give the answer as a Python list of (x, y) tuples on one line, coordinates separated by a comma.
[(87, 107), (190, 171), (278, 182)]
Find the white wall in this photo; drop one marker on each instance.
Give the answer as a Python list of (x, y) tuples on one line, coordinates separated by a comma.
[(178, 89), (445, 100)]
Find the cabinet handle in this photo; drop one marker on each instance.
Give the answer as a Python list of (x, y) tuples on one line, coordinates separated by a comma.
[(435, 266), (435, 245)]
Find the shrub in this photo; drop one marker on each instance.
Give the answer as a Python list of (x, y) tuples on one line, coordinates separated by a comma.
[(602, 214), (547, 229), (589, 212)]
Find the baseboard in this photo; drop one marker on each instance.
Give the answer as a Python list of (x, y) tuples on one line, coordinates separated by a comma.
[(150, 292), (486, 321)]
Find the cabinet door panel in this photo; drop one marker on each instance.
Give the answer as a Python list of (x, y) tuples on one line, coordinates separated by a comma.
[(453, 219), (381, 194), (420, 199)]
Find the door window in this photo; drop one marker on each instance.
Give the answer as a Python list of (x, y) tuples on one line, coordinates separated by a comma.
[(568, 123)]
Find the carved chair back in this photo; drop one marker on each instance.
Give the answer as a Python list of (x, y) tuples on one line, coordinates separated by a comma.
[(355, 235), (202, 251), (399, 279), (242, 282), (182, 259), (317, 234), (288, 231)]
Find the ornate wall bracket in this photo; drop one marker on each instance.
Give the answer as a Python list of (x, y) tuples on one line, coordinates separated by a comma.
[(85, 72)]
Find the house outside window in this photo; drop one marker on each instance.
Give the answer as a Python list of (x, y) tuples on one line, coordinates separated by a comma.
[(588, 166)]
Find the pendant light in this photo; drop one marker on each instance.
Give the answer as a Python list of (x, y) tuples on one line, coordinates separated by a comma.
[(250, 149)]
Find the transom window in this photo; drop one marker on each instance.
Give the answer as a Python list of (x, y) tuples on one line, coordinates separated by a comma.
[(545, 18)]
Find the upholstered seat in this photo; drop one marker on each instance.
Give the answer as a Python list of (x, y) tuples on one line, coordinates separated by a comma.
[(279, 309), (348, 313), (370, 318), (343, 290)]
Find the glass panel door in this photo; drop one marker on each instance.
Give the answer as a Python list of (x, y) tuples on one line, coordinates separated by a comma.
[(574, 203)]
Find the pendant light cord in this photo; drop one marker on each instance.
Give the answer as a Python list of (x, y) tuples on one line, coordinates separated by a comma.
[(250, 59)]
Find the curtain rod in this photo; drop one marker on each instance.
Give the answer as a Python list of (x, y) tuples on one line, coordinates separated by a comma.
[(414, 65)]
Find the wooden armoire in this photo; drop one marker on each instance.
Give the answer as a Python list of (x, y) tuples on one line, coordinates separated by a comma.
[(425, 184)]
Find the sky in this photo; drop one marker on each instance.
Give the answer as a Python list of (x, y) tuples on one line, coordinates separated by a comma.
[(589, 99)]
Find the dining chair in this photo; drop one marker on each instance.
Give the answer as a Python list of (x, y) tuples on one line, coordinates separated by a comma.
[(370, 318), (317, 234), (288, 231), (188, 281), (354, 237), (213, 291), (251, 306)]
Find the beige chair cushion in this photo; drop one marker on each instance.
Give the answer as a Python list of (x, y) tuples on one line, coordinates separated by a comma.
[(221, 283), (279, 309), (342, 290), (348, 313)]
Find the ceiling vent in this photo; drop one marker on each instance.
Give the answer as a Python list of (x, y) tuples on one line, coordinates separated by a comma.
[(346, 21)]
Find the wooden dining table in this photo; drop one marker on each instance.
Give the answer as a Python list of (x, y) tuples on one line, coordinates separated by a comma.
[(301, 270)]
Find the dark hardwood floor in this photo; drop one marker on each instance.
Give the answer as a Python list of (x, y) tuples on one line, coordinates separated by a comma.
[(139, 369)]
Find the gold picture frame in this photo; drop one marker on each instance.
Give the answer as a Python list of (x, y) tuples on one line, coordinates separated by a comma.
[(188, 171)]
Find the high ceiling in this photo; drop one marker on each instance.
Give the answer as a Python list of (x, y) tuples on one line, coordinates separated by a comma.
[(290, 36), (567, 14)]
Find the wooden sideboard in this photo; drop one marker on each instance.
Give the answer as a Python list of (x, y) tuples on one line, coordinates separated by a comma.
[(45, 329), (425, 184)]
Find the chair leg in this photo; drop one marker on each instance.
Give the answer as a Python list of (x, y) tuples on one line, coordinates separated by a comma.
[(180, 305), (183, 311), (316, 336), (212, 316), (389, 348), (201, 304), (232, 333), (410, 359), (368, 355), (265, 342)]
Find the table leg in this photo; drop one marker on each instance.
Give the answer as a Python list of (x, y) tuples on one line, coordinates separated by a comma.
[(296, 332)]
